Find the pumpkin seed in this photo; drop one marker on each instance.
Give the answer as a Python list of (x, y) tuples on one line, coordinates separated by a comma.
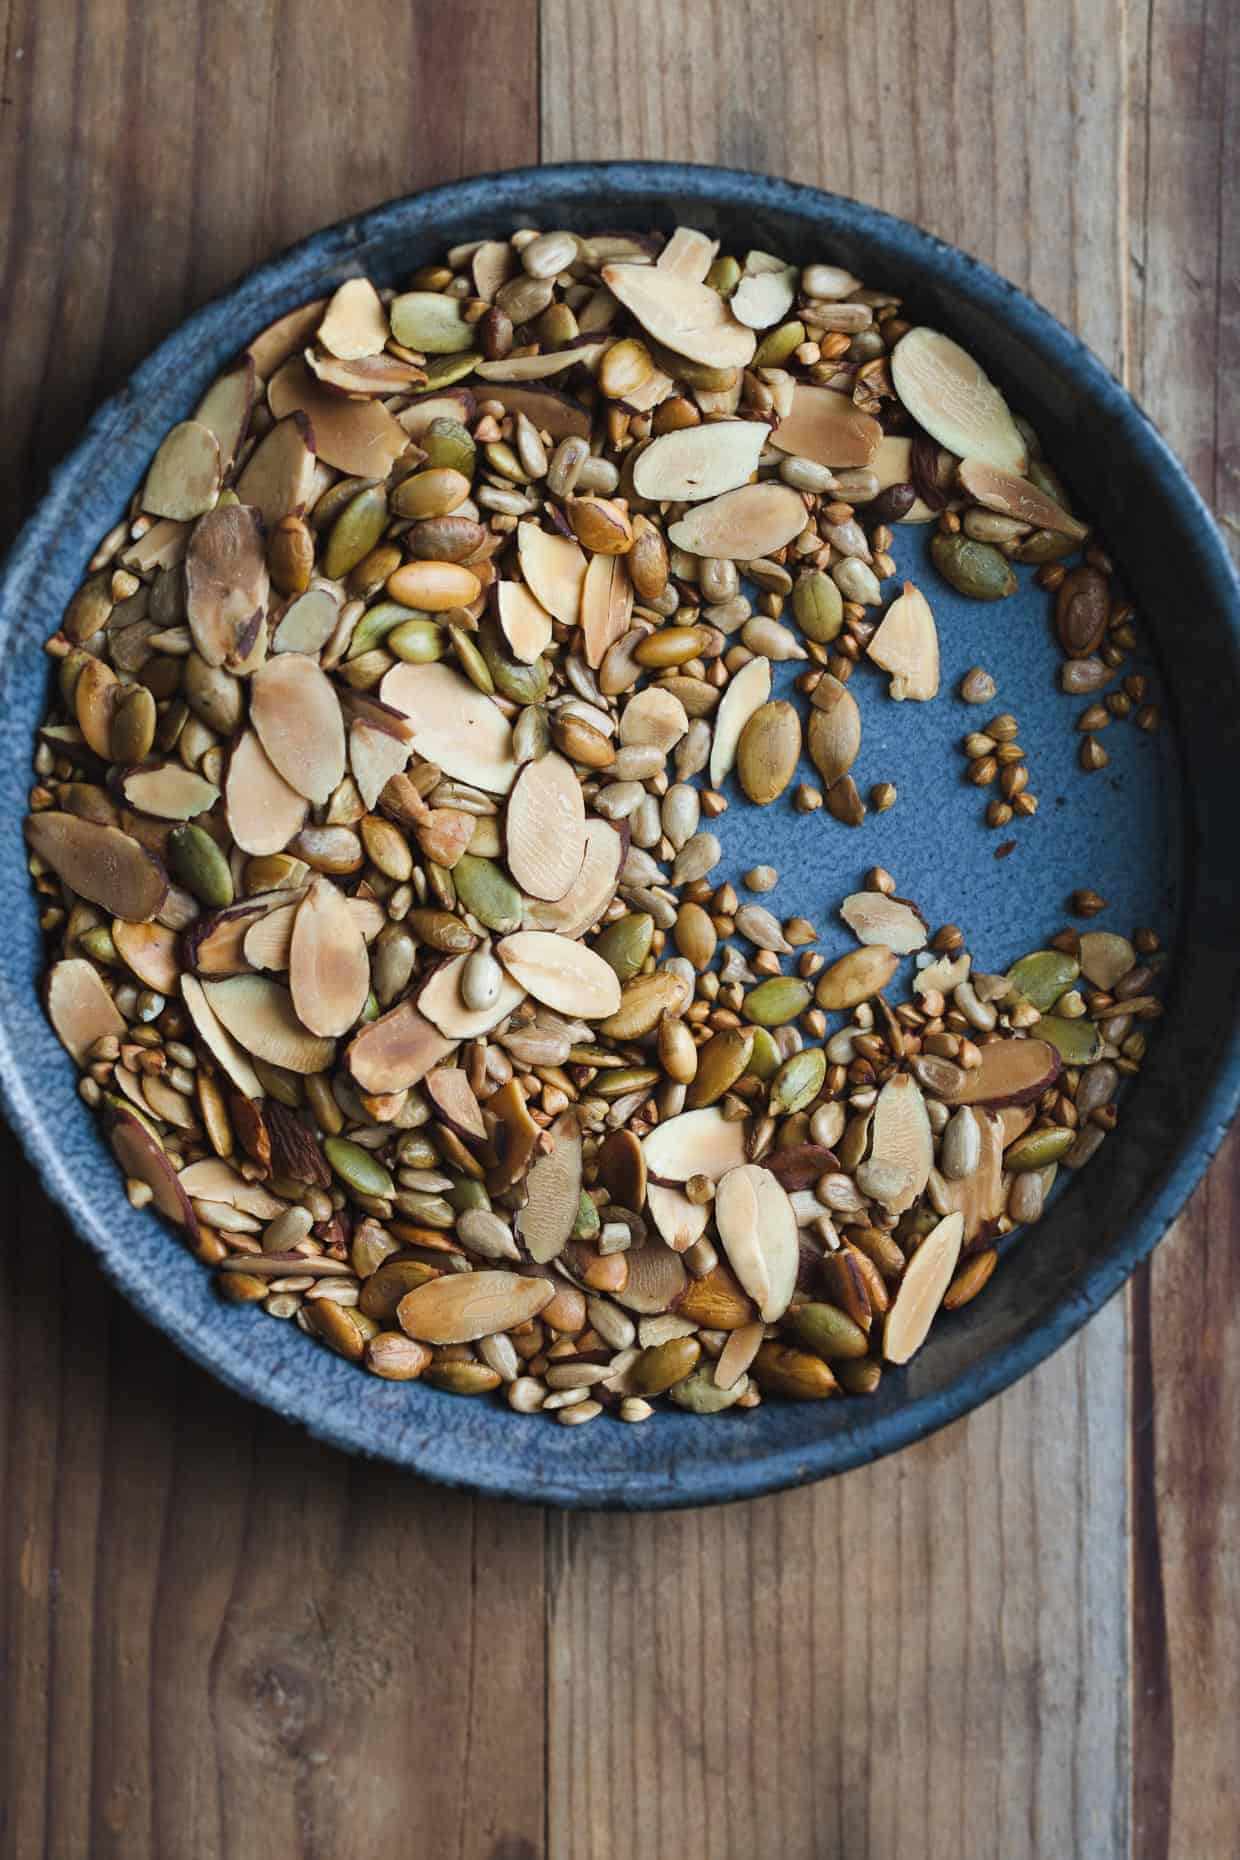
[(199, 864), (974, 568), (774, 1003)]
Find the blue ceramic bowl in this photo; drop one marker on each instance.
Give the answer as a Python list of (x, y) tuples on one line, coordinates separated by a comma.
[(1154, 834)]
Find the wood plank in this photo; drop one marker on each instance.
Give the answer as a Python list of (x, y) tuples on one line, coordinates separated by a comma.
[(217, 1638), (1185, 1391), (929, 1654)]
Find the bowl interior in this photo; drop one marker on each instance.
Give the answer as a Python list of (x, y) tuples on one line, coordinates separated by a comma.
[(1150, 833)]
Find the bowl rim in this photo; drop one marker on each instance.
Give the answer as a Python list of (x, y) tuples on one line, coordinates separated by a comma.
[(721, 1480)]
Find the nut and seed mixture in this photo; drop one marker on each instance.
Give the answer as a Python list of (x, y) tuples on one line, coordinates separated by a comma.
[(375, 819)]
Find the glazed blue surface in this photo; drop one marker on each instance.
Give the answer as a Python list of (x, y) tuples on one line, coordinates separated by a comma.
[(1154, 833)]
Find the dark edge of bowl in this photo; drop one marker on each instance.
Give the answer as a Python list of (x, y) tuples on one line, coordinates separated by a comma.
[(516, 191)]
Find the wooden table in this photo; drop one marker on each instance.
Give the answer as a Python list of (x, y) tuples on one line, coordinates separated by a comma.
[(1018, 1640)]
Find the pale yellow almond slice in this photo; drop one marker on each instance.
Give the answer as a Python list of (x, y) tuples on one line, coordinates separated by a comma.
[(217, 1040), (545, 827), (688, 254), (554, 569), (328, 968), (875, 918), (368, 376), (171, 792), (80, 1008), (745, 693), (454, 724), (441, 1001), (654, 719), (657, 1277), (562, 974), (286, 336), (449, 1091), (307, 623), (142, 1156), (264, 812), (594, 890), (227, 587), (742, 525), (102, 864), (493, 264), (185, 475), (296, 714), (606, 606), (462, 1307), (540, 367), (553, 1192), (150, 951), (943, 976), (354, 323), (828, 429), (162, 546), (396, 1051), (907, 645), (374, 757), (215, 1180), (957, 403), (267, 942), (1105, 957), (981, 1196), (892, 464), (225, 410), (920, 1293), (685, 316), (764, 297), (260, 1016), (1013, 496), (695, 1143), (698, 462), (650, 393), (279, 475), (524, 622), (900, 1151), (680, 1221), (758, 1228), (359, 437)]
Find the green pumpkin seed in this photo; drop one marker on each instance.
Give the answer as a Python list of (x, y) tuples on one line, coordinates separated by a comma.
[(724, 276), (765, 1058), (625, 944), (1042, 977), (700, 1394), (818, 607), (1045, 546), (663, 1365), (1038, 1149), (376, 626), (417, 642), (355, 532), (721, 1062), (444, 371), (357, 1168), (416, 1151), (133, 728), (1078, 1042), (471, 660), (531, 734), (829, 1332), (778, 344), (617, 1081), (98, 945), (798, 1081), (513, 678), (587, 1223), (488, 893), (200, 865), (429, 321), (974, 568), (427, 1210), (448, 445), (774, 1003), (466, 1193)]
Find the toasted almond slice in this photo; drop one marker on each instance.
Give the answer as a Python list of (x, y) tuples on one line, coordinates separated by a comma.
[(150, 951), (328, 968), (227, 587), (540, 367), (901, 1146), (493, 264), (454, 724), (355, 322), (296, 715), (654, 719), (563, 974), (695, 1143), (765, 297), (949, 394), (745, 693), (264, 813), (545, 827), (449, 1091), (80, 1008), (396, 1051), (215, 942), (374, 758), (225, 410), (273, 345), (553, 1191), (524, 622), (1011, 1072), (688, 254), (657, 1277), (307, 623), (279, 475), (260, 1016), (687, 317), (358, 437), (907, 645), (171, 792), (980, 1196), (217, 1040), (141, 1155), (269, 938), (833, 732), (758, 1228), (216, 1180), (606, 606), (102, 864), (594, 890), (184, 479), (554, 569), (743, 525), (875, 918), (826, 427), (679, 1220), (1015, 497), (462, 1307), (737, 1354), (700, 461), (368, 377), (162, 546), (921, 1290), (943, 976), (441, 1001)]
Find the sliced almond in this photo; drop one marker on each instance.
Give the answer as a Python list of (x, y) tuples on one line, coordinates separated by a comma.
[(170, 792), (218, 1041), (355, 322), (907, 645), (695, 1143), (368, 376), (833, 730), (102, 864), (765, 297), (654, 719), (215, 942), (458, 404), (981, 1196), (737, 1354), (606, 606), (441, 1001), (374, 758), (279, 476), (949, 394), (307, 623), (225, 410), (296, 715), (328, 970), (593, 891), (744, 695), (743, 525), (688, 254), (462, 1307), (449, 1091), (80, 1008), (943, 976), (454, 724), (268, 941), (149, 951), (1011, 1072), (545, 827), (216, 1180), (142, 1156), (273, 345), (657, 1277), (758, 1228), (875, 918), (553, 1191), (687, 317), (396, 1051), (185, 475), (921, 1290), (554, 568), (900, 1155), (1015, 497), (162, 546), (541, 367), (680, 1221), (827, 428), (700, 461), (358, 437), (264, 813), (563, 974), (227, 587), (524, 622), (260, 1016)]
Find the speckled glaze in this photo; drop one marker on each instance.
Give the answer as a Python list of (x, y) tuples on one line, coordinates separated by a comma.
[(1155, 833)]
